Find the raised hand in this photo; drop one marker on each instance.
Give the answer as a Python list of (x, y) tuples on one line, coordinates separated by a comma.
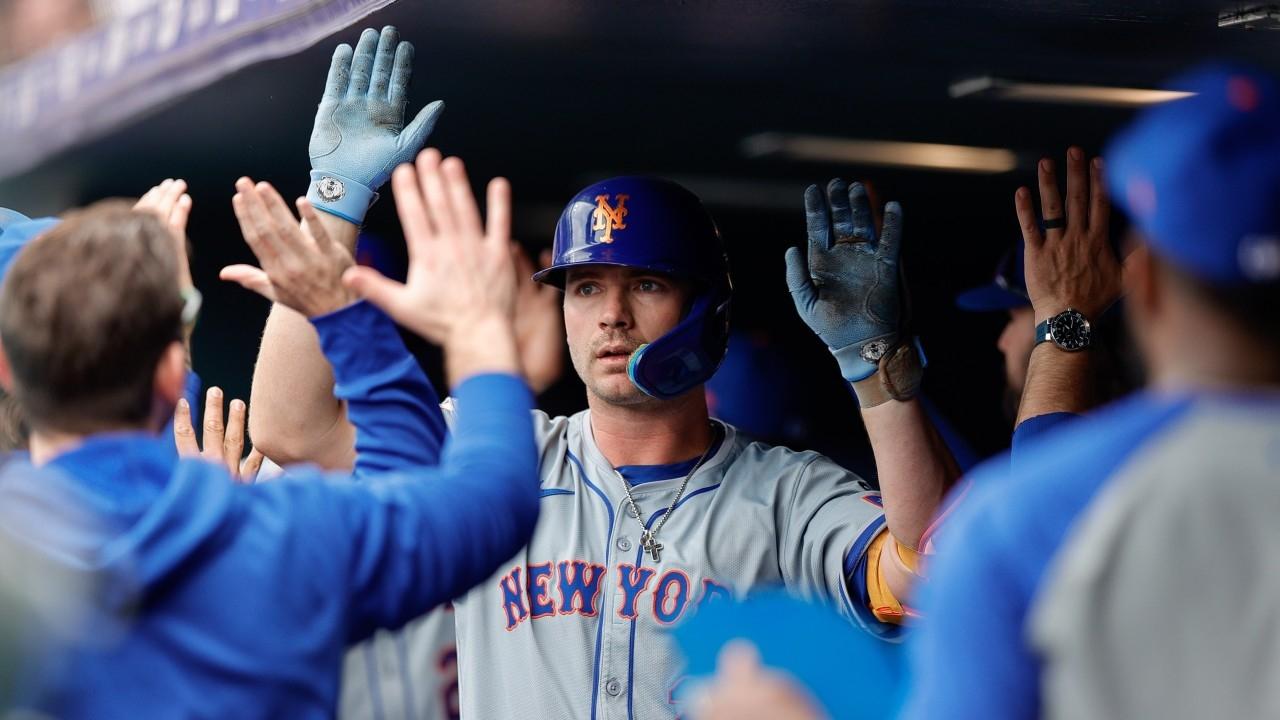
[(849, 292), (461, 280), (359, 134), (539, 323), (223, 444), (170, 202), (301, 269), (1071, 263)]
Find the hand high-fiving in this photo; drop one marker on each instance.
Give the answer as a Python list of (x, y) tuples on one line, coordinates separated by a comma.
[(848, 290), (360, 134), (301, 268), (1071, 263), (223, 441), (170, 202), (461, 273)]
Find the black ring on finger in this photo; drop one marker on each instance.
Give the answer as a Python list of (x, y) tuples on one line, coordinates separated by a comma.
[(1054, 223)]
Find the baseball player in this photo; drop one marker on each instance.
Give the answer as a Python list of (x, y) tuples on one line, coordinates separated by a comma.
[(650, 507), (1047, 595)]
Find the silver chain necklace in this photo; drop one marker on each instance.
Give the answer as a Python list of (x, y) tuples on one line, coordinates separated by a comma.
[(649, 538)]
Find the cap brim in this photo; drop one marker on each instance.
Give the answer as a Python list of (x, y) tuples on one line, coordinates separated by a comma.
[(990, 298), (555, 275), (9, 217)]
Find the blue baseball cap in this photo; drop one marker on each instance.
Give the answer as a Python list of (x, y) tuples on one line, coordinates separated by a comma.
[(1200, 176), (1006, 291), (16, 230)]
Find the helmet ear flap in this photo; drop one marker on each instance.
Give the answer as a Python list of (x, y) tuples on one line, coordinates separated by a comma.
[(688, 355)]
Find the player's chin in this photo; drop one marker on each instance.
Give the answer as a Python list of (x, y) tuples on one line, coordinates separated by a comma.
[(617, 389)]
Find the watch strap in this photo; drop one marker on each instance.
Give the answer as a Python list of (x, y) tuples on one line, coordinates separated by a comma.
[(1043, 333)]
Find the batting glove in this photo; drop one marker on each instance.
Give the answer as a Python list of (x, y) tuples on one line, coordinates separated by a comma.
[(359, 135), (849, 290)]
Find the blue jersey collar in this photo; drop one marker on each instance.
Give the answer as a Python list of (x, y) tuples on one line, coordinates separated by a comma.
[(641, 474)]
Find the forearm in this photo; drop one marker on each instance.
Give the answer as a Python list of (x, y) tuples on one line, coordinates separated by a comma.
[(914, 465), (296, 417), (487, 345), (1057, 382), (389, 400)]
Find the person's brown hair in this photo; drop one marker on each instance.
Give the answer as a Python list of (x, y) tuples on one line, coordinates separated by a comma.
[(14, 434), (86, 312)]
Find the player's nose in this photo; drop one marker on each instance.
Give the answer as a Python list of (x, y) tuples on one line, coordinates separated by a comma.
[(615, 312)]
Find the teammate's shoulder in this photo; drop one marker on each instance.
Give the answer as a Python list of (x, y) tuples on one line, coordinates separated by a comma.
[(1058, 474)]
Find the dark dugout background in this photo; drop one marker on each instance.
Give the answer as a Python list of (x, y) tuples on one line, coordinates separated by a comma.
[(555, 94)]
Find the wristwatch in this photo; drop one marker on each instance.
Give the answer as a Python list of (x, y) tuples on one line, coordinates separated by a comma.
[(1069, 330)]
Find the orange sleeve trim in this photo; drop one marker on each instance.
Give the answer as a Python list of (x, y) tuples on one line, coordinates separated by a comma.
[(880, 599)]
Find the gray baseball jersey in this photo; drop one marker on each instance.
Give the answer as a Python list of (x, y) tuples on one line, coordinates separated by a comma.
[(409, 674), (1165, 602), (576, 625)]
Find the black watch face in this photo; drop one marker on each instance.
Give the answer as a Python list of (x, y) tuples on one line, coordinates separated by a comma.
[(1070, 330)]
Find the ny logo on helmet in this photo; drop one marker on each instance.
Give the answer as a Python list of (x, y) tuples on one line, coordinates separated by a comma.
[(608, 217)]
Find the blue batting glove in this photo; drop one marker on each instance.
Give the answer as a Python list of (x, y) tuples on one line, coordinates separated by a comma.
[(359, 136), (848, 293)]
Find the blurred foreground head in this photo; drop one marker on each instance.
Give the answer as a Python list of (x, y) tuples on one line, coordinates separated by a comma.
[(16, 230), (90, 323), (1200, 181)]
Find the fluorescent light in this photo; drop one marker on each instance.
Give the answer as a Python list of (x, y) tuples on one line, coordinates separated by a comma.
[(1261, 16), (1000, 89), (920, 156)]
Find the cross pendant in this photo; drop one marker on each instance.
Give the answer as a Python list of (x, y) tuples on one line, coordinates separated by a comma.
[(651, 545)]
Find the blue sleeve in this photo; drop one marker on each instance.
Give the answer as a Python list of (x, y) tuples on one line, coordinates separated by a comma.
[(968, 656), (1030, 430), (422, 537), (390, 401), (191, 388)]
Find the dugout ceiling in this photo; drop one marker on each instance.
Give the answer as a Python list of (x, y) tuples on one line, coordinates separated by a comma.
[(555, 94)]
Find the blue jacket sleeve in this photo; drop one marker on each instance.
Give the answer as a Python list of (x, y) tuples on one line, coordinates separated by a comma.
[(390, 401), (1028, 432), (424, 536), (968, 657)]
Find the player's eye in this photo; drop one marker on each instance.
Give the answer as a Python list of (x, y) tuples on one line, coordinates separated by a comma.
[(586, 289), (648, 286)]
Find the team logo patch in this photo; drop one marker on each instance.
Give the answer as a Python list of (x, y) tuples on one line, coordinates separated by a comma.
[(608, 218), (873, 499)]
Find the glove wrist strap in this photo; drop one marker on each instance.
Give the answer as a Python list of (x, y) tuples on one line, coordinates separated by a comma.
[(862, 359), (898, 377), (339, 195)]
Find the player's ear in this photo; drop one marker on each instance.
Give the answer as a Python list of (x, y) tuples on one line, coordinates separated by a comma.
[(171, 376), (6, 372), (1141, 282)]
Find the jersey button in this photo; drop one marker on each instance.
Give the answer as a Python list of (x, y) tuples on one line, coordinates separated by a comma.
[(624, 543), (613, 687)]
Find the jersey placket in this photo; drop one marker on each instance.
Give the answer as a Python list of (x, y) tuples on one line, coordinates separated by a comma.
[(617, 670)]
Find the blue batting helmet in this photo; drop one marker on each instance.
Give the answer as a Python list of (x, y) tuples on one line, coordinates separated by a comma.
[(652, 224)]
